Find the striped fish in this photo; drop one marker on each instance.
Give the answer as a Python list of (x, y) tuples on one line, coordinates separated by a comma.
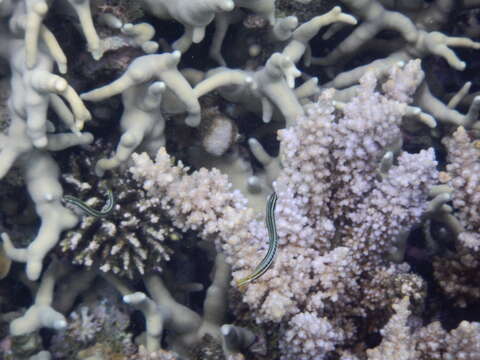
[(106, 209), (272, 245)]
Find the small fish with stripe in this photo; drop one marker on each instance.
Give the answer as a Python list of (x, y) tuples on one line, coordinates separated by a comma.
[(87, 209), (267, 261)]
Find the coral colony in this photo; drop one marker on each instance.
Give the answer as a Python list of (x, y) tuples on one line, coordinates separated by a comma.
[(239, 179)]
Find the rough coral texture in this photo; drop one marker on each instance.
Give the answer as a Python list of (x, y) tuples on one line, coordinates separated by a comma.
[(95, 323), (403, 341), (396, 342), (337, 219), (134, 237), (201, 201), (457, 274), (464, 171), (373, 255), (309, 336), (329, 185)]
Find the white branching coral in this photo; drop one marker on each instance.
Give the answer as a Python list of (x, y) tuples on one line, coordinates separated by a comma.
[(334, 203), (201, 201), (401, 341), (464, 342), (339, 213), (309, 337), (348, 195), (463, 171), (396, 343), (457, 275)]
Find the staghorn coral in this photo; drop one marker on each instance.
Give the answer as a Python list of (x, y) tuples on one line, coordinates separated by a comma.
[(396, 342), (457, 272), (201, 201), (195, 334), (463, 342), (193, 15), (349, 203), (332, 211), (401, 341), (463, 176), (34, 88), (136, 237), (41, 314), (338, 217), (309, 336), (431, 341)]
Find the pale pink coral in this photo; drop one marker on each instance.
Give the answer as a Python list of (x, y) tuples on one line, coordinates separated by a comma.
[(309, 337), (457, 275), (337, 217), (464, 170), (401, 341)]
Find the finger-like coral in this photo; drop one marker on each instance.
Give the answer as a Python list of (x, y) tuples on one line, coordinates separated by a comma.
[(194, 15), (354, 169), (41, 313)]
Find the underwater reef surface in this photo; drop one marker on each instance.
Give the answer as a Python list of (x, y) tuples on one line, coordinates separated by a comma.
[(239, 179)]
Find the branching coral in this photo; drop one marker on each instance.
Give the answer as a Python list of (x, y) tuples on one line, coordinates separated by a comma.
[(142, 123), (41, 313), (337, 220), (148, 68), (42, 180), (194, 15), (457, 272), (432, 342), (202, 201), (162, 313), (328, 191), (270, 87), (353, 178), (420, 42), (33, 91), (137, 235)]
